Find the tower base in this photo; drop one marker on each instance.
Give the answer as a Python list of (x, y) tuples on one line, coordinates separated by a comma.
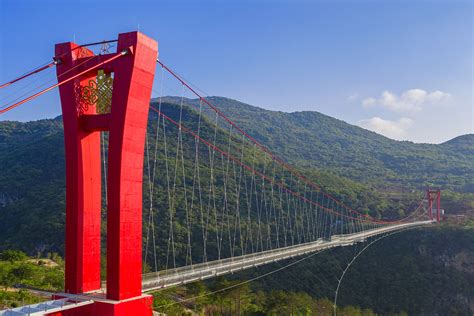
[(139, 306)]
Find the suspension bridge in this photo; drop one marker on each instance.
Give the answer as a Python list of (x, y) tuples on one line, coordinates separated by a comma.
[(188, 195)]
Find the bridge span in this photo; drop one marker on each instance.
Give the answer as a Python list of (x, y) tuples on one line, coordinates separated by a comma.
[(187, 274), (216, 200)]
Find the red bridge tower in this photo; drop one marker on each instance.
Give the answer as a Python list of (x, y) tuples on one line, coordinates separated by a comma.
[(124, 114), (434, 198)]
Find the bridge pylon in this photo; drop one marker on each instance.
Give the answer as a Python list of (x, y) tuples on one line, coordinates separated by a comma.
[(112, 97), (434, 199)]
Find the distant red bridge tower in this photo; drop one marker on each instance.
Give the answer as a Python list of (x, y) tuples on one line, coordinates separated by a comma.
[(113, 97), (434, 199)]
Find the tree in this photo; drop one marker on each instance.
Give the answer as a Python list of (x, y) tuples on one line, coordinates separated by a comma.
[(6, 278), (13, 255), (54, 279), (23, 271), (199, 290), (243, 299)]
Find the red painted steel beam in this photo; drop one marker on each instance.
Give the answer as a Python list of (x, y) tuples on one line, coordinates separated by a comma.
[(133, 81), (430, 204), (98, 122), (83, 180), (438, 197), (126, 123)]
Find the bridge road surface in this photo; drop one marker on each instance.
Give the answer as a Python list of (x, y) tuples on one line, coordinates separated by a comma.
[(187, 274)]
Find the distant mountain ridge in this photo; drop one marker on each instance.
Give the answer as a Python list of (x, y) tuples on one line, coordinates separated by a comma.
[(362, 168), (311, 139), (463, 144)]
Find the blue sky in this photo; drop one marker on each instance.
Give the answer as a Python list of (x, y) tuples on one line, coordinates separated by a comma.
[(401, 68)]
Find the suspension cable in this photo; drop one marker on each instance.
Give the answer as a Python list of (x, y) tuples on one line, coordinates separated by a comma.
[(244, 282), (355, 258), (4, 110), (258, 144), (55, 61), (255, 172), (32, 72)]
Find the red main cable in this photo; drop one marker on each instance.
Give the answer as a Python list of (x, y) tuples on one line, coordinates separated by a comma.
[(277, 183), (28, 74), (262, 147), (41, 68), (60, 83)]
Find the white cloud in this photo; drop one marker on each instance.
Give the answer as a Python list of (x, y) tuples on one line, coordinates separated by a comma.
[(353, 97), (369, 102), (393, 129), (411, 100)]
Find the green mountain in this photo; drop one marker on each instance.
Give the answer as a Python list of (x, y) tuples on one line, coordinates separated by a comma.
[(364, 169), (314, 140), (32, 189)]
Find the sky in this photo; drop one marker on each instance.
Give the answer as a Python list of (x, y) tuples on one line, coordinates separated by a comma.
[(403, 69)]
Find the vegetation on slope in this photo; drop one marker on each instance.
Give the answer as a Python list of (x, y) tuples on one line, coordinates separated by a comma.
[(365, 170), (18, 271), (312, 140), (419, 272)]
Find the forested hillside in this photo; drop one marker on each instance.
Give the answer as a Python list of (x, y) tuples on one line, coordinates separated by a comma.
[(427, 271), (314, 140), (365, 170)]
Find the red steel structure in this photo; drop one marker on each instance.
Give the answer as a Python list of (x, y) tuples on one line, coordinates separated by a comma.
[(434, 196), (126, 122)]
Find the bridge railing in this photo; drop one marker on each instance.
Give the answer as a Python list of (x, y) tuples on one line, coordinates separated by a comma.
[(201, 271)]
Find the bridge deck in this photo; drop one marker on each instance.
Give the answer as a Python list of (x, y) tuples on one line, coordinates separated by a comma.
[(188, 274), (49, 307)]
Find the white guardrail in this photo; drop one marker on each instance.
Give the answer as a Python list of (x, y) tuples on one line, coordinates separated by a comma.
[(45, 308), (187, 274)]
